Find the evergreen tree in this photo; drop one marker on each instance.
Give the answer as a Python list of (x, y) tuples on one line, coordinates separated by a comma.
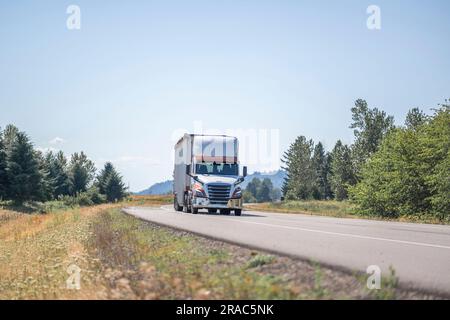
[(56, 173), (3, 175), (47, 181), (23, 171), (115, 189), (81, 173), (60, 172), (342, 172), (29, 175), (9, 136), (103, 177), (328, 190), (299, 179), (319, 163)]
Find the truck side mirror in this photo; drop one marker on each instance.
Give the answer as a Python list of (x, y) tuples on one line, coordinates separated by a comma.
[(188, 169), (244, 171)]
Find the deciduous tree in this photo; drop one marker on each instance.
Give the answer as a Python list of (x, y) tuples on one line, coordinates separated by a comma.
[(370, 126)]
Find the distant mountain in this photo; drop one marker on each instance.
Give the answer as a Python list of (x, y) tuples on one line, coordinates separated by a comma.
[(277, 178), (158, 188)]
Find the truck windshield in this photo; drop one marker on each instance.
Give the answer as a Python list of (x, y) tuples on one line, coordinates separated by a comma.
[(224, 169)]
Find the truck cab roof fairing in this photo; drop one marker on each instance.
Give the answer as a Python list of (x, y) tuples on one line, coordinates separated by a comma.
[(219, 149)]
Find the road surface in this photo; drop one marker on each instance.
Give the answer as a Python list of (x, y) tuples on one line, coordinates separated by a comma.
[(419, 253)]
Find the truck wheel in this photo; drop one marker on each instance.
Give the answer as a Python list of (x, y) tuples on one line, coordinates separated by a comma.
[(186, 207), (225, 212), (237, 212), (211, 211), (194, 210), (176, 206)]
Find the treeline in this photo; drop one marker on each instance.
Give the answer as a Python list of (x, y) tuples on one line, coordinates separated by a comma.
[(388, 171), (27, 174), (261, 191)]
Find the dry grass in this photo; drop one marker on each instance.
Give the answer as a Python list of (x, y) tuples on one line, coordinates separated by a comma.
[(328, 207), (7, 215), (36, 249), (143, 261), (151, 200)]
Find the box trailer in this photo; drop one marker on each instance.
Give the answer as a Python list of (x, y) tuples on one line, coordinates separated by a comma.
[(207, 174)]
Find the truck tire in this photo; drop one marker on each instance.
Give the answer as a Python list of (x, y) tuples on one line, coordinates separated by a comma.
[(237, 212), (194, 210), (225, 212), (186, 207), (176, 206), (211, 211)]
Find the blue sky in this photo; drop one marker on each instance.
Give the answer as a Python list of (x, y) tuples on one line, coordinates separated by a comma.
[(138, 71)]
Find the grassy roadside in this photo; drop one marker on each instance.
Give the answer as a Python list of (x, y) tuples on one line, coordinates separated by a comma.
[(36, 249), (332, 208), (121, 257)]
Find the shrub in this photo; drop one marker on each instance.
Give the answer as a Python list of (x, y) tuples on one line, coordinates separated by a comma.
[(95, 195), (88, 198), (260, 260)]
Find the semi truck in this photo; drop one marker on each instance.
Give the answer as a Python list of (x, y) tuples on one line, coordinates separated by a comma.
[(206, 174)]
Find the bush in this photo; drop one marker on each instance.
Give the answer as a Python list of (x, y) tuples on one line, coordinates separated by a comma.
[(260, 260), (84, 199), (88, 198), (95, 195), (52, 206)]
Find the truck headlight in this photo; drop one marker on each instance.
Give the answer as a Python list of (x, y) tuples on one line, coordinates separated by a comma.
[(199, 191), (237, 193)]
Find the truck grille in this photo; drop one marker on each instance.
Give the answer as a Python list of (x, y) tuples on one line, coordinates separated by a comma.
[(219, 193)]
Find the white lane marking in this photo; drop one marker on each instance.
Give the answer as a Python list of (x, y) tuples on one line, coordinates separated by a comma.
[(338, 233), (355, 221), (402, 228), (358, 222), (351, 235)]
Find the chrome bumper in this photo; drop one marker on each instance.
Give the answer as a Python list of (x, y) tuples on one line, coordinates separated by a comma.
[(201, 203)]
